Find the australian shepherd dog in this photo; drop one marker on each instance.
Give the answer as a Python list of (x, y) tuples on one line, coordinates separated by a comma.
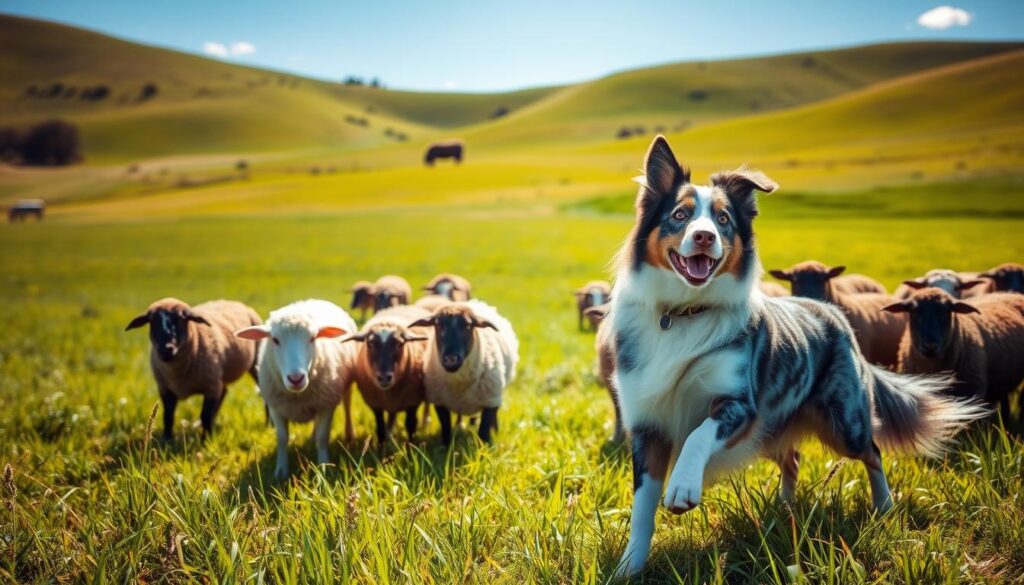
[(711, 373)]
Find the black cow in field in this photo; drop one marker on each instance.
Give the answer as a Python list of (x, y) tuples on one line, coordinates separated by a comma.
[(26, 208), (447, 149)]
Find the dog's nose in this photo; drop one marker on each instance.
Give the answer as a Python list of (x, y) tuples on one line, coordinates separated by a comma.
[(704, 238), (296, 379)]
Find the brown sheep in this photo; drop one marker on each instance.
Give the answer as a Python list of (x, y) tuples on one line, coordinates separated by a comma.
[(389, 367), (592, 294), (773, 289), (1008, 277), (604, 345), (979, 340), (362, 297), (450, 285), (194, 351), (391, 291), (878, 332), (950, 281), (809, 285)]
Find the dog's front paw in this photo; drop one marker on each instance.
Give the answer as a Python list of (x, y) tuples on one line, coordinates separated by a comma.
[(683, 493), (632, 561)]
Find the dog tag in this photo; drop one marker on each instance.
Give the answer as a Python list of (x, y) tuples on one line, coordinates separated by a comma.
[(666, 322)]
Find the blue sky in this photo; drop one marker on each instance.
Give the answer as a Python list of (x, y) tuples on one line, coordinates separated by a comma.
[(488, 45)]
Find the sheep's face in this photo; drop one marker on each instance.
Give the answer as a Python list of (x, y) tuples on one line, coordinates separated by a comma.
[(361, 298), (293, 346), (1008, 277), (809, 279), (385, 352), (445, 288), (384, 300), (946, 280), (931, 318), (168, 327), (454, 334)]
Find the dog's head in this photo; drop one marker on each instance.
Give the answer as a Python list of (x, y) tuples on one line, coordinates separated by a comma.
[(698, 233)]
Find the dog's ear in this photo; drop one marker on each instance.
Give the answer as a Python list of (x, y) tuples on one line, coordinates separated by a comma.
[(662, 173), (781, 275), (739, 185)]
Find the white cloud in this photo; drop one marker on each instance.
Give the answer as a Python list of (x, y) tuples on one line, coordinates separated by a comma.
[(240, 48), (215, 49), (450, 84), (943, 17), (223, 51)]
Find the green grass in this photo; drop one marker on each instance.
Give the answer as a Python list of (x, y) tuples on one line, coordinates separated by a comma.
[(97, 498)]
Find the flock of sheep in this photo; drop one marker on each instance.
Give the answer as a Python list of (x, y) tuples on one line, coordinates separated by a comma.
[(445, 349), (968, 324)]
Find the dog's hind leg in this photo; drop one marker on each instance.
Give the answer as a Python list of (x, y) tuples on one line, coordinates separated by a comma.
[(881, 498), (789, 465)]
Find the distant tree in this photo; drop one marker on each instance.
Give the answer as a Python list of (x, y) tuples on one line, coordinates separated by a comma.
[(624, 132), (100, 92), (148, 91), (52, 143), (55, 90), (70, 93), (375, 83), (500, 112), (31, 90), (353, 80), (242, 165), (698, 95), (10, 144)]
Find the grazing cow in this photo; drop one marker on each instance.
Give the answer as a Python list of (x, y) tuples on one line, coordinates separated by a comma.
[(446, 149), (26, 208)]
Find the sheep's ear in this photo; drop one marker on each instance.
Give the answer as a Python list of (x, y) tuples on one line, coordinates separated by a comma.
[(255, 333), (424, 322), (964, 308), (413, 337), (971, 283), (834, 272), (898, 307), (138, 322), (196, 318), (484, 323), (330, 331), (916, 284), (360, 337), (600, 311), (781, 275)]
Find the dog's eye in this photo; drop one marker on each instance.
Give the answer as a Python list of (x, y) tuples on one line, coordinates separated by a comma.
[(723, 218), (680, 215)]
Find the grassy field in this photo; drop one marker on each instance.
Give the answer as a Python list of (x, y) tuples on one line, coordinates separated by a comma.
[(93, 496)]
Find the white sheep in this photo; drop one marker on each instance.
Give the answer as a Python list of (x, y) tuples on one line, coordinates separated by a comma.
[(471, 360), (304, 371)]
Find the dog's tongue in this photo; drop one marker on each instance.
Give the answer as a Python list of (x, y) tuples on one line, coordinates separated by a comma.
[(698, 266)]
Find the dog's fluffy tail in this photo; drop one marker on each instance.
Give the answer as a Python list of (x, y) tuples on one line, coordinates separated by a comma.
[(913, 413)]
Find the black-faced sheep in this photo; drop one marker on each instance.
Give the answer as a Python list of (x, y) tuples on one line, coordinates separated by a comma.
[(452, 286), (1008, 277), (193, 351), (391, 291), (362, 297), (470, 361), (592, 294), (950, 281), (878, 332), (304, 371), (389, 366), (981, 341), (805, 280)]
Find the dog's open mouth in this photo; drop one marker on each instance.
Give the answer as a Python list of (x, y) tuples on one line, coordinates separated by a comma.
[(696, 269)]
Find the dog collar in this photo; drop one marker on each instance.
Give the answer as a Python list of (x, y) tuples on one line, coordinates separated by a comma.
[(669, 315)]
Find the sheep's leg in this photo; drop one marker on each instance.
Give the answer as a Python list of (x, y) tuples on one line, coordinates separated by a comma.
[(425, 419), (382, 427), (346, 398), (207, 415), (170, 405), (445, 417), (411, 423), (392, 417), (281, 429), (322, 435), (488, 421)]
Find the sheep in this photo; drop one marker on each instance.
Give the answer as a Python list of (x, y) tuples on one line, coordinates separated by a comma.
[(808, 284), (981, 341), (391, 291), (592, 294), (948, 280), (304, 372), (1008, 277), (389, 366), (194, 352), (450, 285), (878, 332), (431, 302), (362, 297), (604, 346), (773, 289), (471, 360)]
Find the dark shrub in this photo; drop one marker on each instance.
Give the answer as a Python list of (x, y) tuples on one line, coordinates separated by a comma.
[(100, 92), (242, 165), (808, 62), (52, 143), (501, 111), (624, 133), (698, 95), (10, 144), (148, 91), (55, 90)]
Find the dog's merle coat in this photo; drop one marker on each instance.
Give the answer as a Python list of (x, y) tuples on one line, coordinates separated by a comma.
[(740, 374)]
